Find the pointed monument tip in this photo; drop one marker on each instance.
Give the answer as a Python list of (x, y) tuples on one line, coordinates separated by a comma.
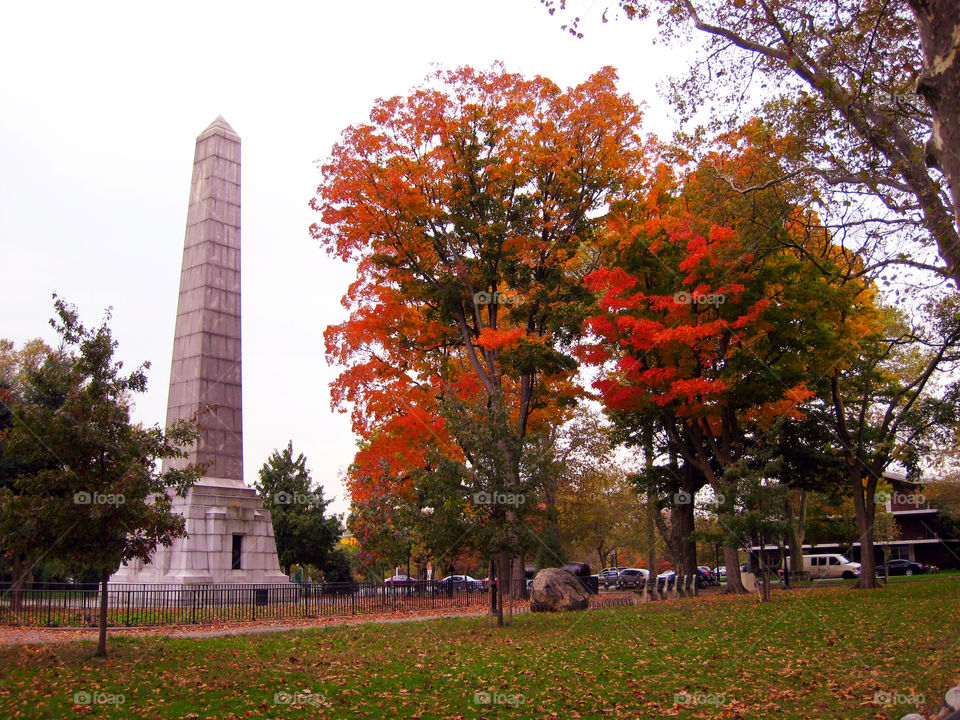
[(220, 122), (219, 126)]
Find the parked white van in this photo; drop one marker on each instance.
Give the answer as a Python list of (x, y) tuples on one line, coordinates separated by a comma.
[(831, 565)]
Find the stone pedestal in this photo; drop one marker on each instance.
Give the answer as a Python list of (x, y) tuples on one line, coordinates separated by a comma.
[(215, 510)]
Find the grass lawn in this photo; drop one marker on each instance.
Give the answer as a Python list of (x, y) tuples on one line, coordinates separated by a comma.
[(830, 653)]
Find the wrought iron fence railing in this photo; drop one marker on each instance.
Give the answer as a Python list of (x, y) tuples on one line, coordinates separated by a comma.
[(77, 605)]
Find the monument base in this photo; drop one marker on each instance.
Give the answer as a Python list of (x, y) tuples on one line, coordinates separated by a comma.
[(230, 541)]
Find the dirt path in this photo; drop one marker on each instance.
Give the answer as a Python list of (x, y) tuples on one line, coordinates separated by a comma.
[(44, 636)]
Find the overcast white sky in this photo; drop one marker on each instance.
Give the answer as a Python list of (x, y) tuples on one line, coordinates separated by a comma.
[(100, 106)]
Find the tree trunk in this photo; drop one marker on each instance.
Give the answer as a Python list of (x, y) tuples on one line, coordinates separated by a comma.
[(652, 513), (672, 547), (518, 577), (731, 558), (652, 507), (764, 571), (602, 557), (512, 583), (681, 531), (939, 24), (864, 489), (493, 586), (503, 558), (102, 640), (866, 509), (797, 515), (21, 574)]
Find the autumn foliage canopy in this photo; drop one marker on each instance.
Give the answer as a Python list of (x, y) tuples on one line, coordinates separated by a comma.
[(471, 208)]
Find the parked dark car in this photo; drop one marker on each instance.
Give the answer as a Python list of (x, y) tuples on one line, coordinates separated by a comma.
[(707, 575), (460, 583), (631, 578), (608, 576), (902, 567), (669, 575)]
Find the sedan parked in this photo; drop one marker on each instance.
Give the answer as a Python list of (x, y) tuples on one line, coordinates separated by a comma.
[(461, 583), (902, 567), (632, 578), (608, 576), (668, 578), (708, 576)]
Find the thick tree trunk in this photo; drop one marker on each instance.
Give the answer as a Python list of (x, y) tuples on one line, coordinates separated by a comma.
[(866, 510), (21, 574), (503, 579), (681, 532), (939, 24), (518, 577), (102, 640), (797, 515), (864, 489), (731, 558), (673, 549)]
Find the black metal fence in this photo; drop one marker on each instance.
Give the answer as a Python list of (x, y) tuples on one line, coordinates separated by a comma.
[(76, 605)]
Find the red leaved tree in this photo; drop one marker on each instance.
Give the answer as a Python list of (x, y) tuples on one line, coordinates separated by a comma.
[(470, 207), (713, 332)]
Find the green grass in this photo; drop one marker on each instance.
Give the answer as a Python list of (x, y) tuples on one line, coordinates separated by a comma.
[(819, 653)]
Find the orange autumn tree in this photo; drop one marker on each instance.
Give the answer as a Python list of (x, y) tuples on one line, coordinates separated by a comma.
[(470, 207), (712, 329)]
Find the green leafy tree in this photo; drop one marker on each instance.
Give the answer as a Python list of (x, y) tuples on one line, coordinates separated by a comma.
[(304, 533), (19, 376), (808, 460), (888, 408), (90, 492)]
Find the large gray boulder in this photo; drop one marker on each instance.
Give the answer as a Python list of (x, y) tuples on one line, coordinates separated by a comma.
[(556, 590)]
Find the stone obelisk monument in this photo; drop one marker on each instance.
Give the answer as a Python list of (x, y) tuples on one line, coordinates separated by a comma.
[(230, 533)]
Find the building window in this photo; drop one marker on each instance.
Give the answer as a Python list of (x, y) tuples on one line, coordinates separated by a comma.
[(237, 551), (899, 552)]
